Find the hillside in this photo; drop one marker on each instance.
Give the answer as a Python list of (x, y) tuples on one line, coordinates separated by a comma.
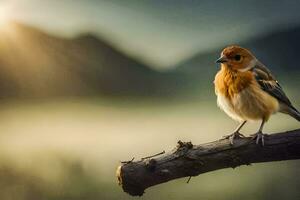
[(35, 64)]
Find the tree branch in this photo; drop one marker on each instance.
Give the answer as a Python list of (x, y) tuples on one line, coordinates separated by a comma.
[(191, 160)]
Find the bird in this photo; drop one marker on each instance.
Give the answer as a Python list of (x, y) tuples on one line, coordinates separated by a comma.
[(246, 91)]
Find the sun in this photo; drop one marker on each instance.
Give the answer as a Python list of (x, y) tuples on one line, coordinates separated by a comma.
[(5, 14)]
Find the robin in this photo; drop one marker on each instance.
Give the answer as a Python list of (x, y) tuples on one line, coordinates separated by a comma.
[(247, 91)]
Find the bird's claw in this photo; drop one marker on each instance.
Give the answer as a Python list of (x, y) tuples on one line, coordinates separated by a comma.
[(259, 136), (233, 136)]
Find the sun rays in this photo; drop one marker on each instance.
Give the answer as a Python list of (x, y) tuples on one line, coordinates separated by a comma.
[(5, 14)]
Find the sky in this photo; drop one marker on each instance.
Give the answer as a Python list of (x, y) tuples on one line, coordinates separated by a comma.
[(159, 32)]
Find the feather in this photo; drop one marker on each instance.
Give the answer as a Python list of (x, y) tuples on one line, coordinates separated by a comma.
[(269, 84)]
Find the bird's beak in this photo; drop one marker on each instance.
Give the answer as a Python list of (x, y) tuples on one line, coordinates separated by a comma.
[(222, 59)]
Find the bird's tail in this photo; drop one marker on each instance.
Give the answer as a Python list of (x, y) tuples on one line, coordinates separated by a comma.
[(294, 113)]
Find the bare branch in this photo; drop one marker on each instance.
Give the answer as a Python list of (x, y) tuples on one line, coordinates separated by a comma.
[(188, 160)]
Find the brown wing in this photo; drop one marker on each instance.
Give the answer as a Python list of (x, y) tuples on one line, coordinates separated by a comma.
[(269, 84)]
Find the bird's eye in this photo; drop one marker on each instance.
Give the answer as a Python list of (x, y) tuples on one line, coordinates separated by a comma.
[(237, 57)]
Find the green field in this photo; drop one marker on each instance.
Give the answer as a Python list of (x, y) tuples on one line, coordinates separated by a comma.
[(70, 148)]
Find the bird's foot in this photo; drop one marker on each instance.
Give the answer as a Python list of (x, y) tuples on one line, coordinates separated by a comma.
[(259, 136), (233, 136)]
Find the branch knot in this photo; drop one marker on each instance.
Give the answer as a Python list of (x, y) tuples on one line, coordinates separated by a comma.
[(187, 145)]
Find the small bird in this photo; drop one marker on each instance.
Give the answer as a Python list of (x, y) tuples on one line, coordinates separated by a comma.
[(247, 91)]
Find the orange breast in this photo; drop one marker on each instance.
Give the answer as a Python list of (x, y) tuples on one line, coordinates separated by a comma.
[(229, 82)]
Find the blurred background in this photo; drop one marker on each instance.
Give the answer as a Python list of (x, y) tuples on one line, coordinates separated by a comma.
[(85, 84)]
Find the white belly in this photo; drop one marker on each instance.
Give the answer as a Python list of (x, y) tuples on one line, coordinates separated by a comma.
[(250, 104), (225, 104)]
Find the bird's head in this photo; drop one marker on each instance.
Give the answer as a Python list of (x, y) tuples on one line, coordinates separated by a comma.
[(237, 58)]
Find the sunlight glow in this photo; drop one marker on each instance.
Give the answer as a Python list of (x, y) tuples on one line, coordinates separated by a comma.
[(5, 14)]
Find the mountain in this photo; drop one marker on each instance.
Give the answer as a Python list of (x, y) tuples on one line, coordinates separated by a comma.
[(278, 50), (36, 64)]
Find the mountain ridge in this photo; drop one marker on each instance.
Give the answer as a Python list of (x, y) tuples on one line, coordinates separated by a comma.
[(38, 64)]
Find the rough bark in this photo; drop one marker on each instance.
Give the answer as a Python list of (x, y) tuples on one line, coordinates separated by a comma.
[(188, 160)]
